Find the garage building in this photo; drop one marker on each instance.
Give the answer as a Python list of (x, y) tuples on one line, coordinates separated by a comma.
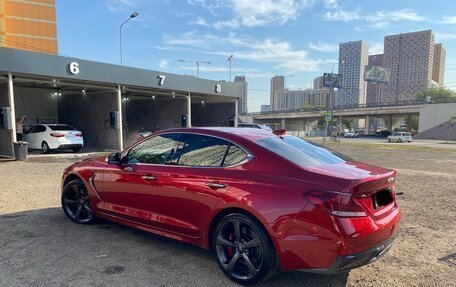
[(108, 103)]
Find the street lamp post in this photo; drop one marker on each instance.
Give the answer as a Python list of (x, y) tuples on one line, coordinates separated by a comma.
[(229, 60), (197, 64), (329, 128), (135, 14)]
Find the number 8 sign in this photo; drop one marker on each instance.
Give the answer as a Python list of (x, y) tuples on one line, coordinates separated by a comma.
[(218, 88)]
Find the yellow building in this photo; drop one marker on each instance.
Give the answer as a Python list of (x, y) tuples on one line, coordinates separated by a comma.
[(28, 25)]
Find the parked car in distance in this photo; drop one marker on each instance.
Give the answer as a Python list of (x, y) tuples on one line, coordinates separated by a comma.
[(48, 137), (255, 126), (351, 134), (400, 137), (383, 134), (260, 202)]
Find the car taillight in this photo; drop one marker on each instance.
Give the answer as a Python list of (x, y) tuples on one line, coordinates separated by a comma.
[(340, 204), (57, 135), (79, 134)]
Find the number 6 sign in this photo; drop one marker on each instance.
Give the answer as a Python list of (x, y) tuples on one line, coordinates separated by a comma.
[(74, 68)]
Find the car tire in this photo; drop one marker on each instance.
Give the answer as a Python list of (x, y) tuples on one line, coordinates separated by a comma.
[(76, 149), (243, 249), (388, 140), (399, 140), (45, 147), (76, 203)]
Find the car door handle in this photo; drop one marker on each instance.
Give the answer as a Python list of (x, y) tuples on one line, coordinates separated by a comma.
[(216, 185), (148, 177)]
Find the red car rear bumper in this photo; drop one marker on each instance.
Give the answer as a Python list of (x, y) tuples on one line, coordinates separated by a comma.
[(349, 245)]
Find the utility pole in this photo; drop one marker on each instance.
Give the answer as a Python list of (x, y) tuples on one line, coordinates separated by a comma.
[(229, 60)]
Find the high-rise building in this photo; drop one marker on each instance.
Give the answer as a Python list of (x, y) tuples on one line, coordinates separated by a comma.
[(374, 90), (242, 103), (277, 84), (318, 83), (295, 99), (410, 57), (28, 25), (353, 58), (438, 70)]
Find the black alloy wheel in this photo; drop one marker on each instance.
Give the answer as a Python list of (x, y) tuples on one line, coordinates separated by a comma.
[(244, 252), (45, 147), (75, 202)]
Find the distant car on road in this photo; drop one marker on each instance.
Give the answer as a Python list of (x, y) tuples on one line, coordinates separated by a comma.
[(351, 134), (53, 137), (400, 137), (254, 126)]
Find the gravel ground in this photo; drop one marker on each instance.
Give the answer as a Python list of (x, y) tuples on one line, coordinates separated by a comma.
[(39, 246)]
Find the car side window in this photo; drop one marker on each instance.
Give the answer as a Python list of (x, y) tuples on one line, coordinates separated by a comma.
[(32, 130), (40, 129), (234, 155), (156, 150), (200, 150)]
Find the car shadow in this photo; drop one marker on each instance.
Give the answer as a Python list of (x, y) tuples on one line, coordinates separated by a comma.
[(43, 246)]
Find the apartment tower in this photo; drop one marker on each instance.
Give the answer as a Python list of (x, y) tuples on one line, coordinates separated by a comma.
[(242, 102), (353, 58), (277, 84), (410, 57), (438, 69)]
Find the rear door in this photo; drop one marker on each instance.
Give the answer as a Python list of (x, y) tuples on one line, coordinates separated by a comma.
[(191, 185), (30, 137), (130, 188)]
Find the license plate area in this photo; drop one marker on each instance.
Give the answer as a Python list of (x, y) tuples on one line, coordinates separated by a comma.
[(382, 198)]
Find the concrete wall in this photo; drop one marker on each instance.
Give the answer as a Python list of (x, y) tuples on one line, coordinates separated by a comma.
[(39, 105), (435, 114), (212, 115), (6, 147), (295, 124), (90, 114), (151, 115)]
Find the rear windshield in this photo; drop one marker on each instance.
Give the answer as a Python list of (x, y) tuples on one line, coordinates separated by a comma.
[(301, 151), (61, 128)]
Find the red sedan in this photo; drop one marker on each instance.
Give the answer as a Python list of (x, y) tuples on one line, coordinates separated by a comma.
[(262, 202)]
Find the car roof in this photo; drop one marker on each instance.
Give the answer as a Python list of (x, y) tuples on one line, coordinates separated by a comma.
[(251, 134)]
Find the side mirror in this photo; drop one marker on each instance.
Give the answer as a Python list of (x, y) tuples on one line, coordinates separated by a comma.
[(114, 158)]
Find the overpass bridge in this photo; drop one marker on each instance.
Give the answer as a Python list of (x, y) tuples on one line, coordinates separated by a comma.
[(299, 119)]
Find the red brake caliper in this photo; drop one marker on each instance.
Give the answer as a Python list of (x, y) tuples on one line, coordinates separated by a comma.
[(230, 250)]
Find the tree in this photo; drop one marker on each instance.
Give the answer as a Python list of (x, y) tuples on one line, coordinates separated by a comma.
[(436, 94), (348, 124), (414, 123), (307, 107), (322, 120)]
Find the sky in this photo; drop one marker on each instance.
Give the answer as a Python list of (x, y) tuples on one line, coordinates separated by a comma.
[(295, 38)]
